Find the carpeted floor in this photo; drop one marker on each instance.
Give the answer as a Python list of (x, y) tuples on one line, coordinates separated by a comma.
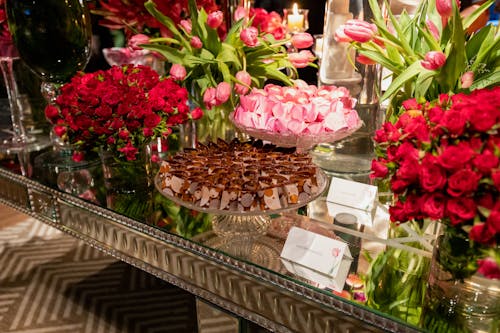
[(53, 283)]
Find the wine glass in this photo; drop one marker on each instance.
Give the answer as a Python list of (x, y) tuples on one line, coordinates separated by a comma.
[(53, 37)]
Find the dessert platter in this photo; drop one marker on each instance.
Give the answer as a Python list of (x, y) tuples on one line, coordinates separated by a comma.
[(241, 183)]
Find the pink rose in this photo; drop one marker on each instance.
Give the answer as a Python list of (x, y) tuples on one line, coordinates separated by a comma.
[(302, 40), (246, 80), (301, 59), (137, 40), (209, 97), (360, 31), (249, 36), (222, 92), (178, 72), (489, 268), (467, 79), (196, 42), (462, 182), (214, 19), (433, 60), (186, 25)]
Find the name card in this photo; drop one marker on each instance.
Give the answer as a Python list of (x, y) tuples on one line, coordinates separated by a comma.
[(316, 252), (352, 194)]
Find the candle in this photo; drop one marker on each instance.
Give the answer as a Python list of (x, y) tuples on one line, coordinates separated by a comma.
[(295, 21)]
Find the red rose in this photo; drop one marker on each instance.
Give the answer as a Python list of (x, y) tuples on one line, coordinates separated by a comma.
[(485, 162), (462, 182), (379, 169), (454, 122), (433, 205), (408, 170), (481, 233), (417, 128), (51, 112), (152, 120), (493, 221), (432, 175), (483, 118), (397, 212), (129, 151), (398, 185), (460, 209), (411, 104), (412, 207), (486, 201), (406, 151), (454, 157), (489, 268), (435, 114)]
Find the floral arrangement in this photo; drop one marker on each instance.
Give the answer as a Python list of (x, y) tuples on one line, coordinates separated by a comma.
[(430, 53), (7, 48), (300, 111), (133, 18), (442, 161), (217, 70), (268, 22), (119, 109)]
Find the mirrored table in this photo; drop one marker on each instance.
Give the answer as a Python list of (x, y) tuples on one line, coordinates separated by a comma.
[(250, 281)]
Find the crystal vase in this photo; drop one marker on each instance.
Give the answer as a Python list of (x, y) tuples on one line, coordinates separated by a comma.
[(452, 304)]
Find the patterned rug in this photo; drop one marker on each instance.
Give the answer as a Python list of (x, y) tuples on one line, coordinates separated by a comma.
[(53, 283)]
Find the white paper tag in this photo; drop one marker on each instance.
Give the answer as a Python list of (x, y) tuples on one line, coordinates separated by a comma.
[(335, 283), (360, 216), (314, 251), (352, 194)]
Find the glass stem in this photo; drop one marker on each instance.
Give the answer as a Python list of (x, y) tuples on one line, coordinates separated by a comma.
[(7, 65)]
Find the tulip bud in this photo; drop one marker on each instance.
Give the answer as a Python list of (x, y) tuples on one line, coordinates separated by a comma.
[(249, 36), (340, 36), (467, 79), (137, 40), (178, 72), (300, 59), (245, 78), (302, 40), (209, 97), (196, 42), (197, 113), (222, 92), (214, 19), (362, 59), (186, 25), (445, 9), (360, 31), (433, 60)]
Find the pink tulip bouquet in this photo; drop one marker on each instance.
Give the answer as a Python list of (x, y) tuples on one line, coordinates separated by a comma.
[(218, 70), (299, 116), (429, 53)]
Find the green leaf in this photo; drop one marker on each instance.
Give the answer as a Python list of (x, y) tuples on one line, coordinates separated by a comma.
[(224, 69), (488, 80), (172, 55), (382, 60), (167, 22), (468, 20), (487, 51), (412, 71), (424, 81), (229, 54), (480, 39)]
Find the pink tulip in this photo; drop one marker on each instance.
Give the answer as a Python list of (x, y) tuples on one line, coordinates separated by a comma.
[(360, 31), (240, 13), (340, 36), (433, 60), (300, 59), (246, 79), (209, 97), (467, 79), (249, 36), (214, 19), (433, 29), (178, 72), (137, 40), (445, 9), (186, 25), (196, 42), (222, 93), (302, 40)]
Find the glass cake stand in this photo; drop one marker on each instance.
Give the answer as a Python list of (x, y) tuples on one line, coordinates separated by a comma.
[(302, 142), (243, 233)]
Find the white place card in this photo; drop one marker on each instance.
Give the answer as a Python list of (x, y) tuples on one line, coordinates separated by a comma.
[(352, 194), (314, 251), (321, 280)]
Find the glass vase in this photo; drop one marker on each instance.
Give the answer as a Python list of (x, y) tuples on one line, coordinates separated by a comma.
[(215, 124), (128, 184), (452, 304)]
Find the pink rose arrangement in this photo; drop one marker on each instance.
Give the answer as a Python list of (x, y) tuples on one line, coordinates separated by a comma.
[(119, 109), (426, 58), (442, 162), (303, 112), (220, 70)]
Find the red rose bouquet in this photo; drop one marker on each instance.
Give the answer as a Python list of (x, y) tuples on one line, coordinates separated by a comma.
[(441, 159), (119, 109)]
